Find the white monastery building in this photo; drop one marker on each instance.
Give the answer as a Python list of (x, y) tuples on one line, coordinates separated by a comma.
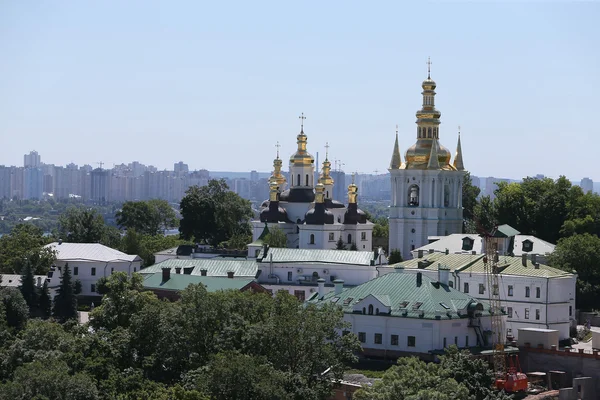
[(89, 262), (426, 188)]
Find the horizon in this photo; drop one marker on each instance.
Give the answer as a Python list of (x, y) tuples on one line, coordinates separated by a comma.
[(219, 86)]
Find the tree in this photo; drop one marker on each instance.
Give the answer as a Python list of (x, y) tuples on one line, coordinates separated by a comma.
[(581, 253), (45, 302), (25, 241), (27, 287), (65, 301), (81, 225), (484, 215), (353, 247), (395, 257), (150, 217), (166, 214), (340, 245), (15, 307), (276, 237), (469, 197), (213, 214)]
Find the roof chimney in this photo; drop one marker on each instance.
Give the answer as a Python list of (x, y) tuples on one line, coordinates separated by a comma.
[(230, 274), (187, 270), (321, 283), (447, 251), (339, 285), (203, 272), (178, 270), (524, 259), (443, 274), (420, 253), (534, 259), (166, 274), (419, 279), (59, 241), (431, 251), (398, 268)]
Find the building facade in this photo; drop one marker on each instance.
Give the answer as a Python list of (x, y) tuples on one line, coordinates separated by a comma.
[(426, 188)]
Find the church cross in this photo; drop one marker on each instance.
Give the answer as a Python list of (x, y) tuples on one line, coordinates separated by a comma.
[(428, 67), (278, 146), (302, 118), (459, 130), (326, 150)]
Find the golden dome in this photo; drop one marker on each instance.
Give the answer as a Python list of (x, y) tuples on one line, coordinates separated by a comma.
[(417, 155), (319, 193), (325, 178), (277, 177), (302, 157), (352, 191)]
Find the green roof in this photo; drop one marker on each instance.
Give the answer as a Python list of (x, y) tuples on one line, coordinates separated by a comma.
[(307, 256), (213, 266), (260, 240), (467, 263), (179, 282), (430, 300), (505, 231)]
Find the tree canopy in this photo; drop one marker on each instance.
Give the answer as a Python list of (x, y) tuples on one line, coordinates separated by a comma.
[(276, 237), (83, 225), (213, 214), (25, 242), (150, 217)]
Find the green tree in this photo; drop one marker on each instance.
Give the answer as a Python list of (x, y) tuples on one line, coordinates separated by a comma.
[(484, 216), (146, 217), (65, 301), (27, 287), (395, 257), (45, 302), (276, 237), (581, 253), (81, 225), (15, 307), (340, 245), (469, 198), (213, 214), (353, 247), (166, 214), (26, 241)]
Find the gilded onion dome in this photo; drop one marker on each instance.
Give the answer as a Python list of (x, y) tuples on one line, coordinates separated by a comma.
[(428, 123), (302, 157), (325, 178), (277, 176)]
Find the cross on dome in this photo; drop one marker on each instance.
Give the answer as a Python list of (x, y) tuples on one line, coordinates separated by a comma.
[(302, 118)]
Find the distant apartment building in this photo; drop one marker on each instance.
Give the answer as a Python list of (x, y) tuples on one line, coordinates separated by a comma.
[(100, 185), (491, 184), (33, 183), (587, 185), (180, 168), (33, 159)]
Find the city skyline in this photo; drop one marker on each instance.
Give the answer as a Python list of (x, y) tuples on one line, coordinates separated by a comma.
[(219, 87)]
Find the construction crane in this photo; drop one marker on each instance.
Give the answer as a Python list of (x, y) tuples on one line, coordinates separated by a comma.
[(507, 369)]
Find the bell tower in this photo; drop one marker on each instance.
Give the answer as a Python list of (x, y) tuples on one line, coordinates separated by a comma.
[(426, 197)]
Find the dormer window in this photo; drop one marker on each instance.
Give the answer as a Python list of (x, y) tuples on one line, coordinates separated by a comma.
[(467, 243), (527, 245)]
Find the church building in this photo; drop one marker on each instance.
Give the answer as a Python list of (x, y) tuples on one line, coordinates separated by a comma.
[(306, 211), (426, 195)]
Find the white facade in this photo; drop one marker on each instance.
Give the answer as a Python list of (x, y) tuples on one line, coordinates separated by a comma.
[(89, 262)]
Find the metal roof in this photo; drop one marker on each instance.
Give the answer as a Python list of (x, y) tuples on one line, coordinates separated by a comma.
[(407, 299), (94, 252), (300, 256), (468, 263), (213, 266), (179, 282), (12, 280)]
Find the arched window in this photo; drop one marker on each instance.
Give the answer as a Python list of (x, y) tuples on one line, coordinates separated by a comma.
[(349, 238), (419, 132), (446, 195), (327, 194), (429, 132), (413, 196), (292, 179), (299, 181), (306, 180), (312, 239), (297, 229), (376, 311), (435, 133), (364, 310), (370, 309)]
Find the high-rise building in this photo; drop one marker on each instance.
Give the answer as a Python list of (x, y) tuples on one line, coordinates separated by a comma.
[(253, 176), (32, 159), (180, 168), (426, 188), (33, 183), (587, 185), (100, 185)]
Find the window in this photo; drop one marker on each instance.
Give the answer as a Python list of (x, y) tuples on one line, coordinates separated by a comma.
[(75, 270), (298, 182), (289, 275), (377, 311), (481, 288), (527, 245), (527, 313), (570, 311), (466, 287), (112, 270), (456, 340), (413, 196), (331, 237), (378, 338), (134, 269), (306, 180), (527, 291), (537, 314), (370, 309), (538, 292), (412, 246), (93, 288), (412, 341), (467, 243), (467, 341), (445, 344), (349, 238), (510, 290), (363, 236), (364, 310), (312, 239), (93, 271), (299, 295), (509, 309), (451, 284), (362, 337), (394, 340)]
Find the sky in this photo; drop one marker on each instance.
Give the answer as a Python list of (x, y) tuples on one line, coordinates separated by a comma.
[(217, 84)]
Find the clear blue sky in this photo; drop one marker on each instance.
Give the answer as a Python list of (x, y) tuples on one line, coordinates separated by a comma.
[(216, 84)]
